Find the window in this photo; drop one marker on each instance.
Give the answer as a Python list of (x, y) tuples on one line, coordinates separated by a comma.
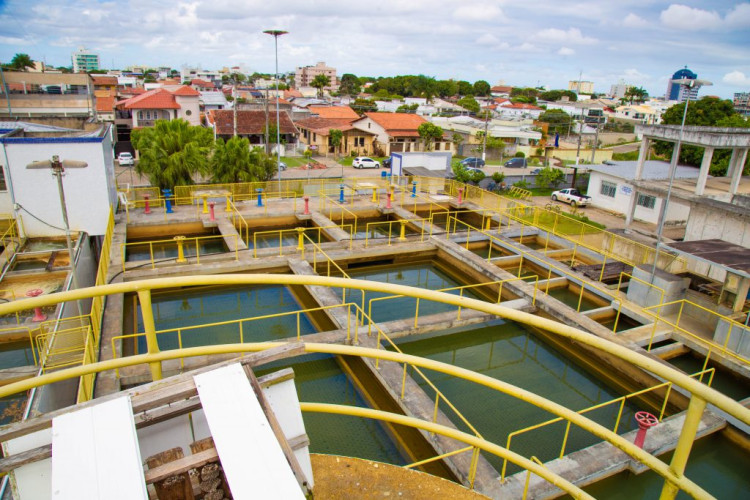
[(140, 115), (646, 201), (608, 189), (3, 186), (188, 112)]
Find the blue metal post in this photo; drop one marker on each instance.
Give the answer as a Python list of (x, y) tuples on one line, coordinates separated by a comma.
[(341, 193), (413, 189), (260, 197), (168, 200)]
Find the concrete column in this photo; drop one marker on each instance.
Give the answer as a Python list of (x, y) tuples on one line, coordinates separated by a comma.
[(642, 157), (675, 159), (737, 174), (631, 208), (700, 186), (732, 163)]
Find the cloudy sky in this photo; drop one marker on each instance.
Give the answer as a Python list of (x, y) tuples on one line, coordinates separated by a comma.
[(532, 42)]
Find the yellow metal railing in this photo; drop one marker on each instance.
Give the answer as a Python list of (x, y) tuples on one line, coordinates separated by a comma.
[(667, 386), (642, 282), (715, 318), (371, 227), (461, 290), (517, 192), (674, 474), (30, 333), (181, 244), (328, 260), (295, 232), (65, 347), (332, 205)]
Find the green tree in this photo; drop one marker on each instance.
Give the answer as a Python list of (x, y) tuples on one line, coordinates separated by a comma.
[(407, 108), (705, 112), (468, 102), (637, 94), (335, 136), (234, 161), (429, 133), (172, 151), (481, 88), (550, 177), (558, 121), (320, 82), (465, 88), (447, 88), (349, 85), (21, 62), (364, 105), (457, 139)]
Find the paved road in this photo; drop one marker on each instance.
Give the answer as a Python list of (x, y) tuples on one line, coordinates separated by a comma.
[(626, 148)]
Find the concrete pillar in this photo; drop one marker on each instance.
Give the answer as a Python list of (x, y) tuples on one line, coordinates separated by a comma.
[(700, 186), (742, 290), (732, 163), (737, 174), (642, 157), (631, 208), (675, 159)]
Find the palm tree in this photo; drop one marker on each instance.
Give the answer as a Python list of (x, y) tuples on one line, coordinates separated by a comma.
[(21, 61), (320, 82), (234, 161), (171, 152)]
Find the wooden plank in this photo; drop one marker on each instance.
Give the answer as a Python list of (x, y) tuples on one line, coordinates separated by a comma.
[(250, 454), (141, 395), (174, 487), (26, 457), (181, 465), (96, 454)]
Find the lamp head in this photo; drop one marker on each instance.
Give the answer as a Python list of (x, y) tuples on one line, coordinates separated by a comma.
[(692, 82), (275, 32)]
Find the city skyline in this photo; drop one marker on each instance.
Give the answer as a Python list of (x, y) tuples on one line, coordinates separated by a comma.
[(642, 42)]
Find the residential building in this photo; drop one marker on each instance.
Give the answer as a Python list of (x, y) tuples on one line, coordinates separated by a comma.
[(396, 132), (202, 85), (165, 103), (105, 108), (677, 92), (337, 112), (187, 74), (519, 109), (89, 191), (581, 86), (85, 61), (501, 90), (213, 100), (618, 90), (517, 135), (315, 132), (305, 75), (252, 124), (106, 83), (47, 95), (611, 188), (742, 103), (642, 113)]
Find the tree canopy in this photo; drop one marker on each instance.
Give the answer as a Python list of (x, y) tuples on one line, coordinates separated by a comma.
[(429, 133), (320, 82), (556, 95), (469, 103), (172, 151), (234, 161), (705, 112), (335, 138), (21, 62), (349, 85), (637, 94), (481, 88), (558, 121)]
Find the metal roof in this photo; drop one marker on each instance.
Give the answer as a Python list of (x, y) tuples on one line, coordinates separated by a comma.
[(652, 170), (731, 257)]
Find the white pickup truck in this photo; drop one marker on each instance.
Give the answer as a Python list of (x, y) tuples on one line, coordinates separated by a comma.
[(572, 196)]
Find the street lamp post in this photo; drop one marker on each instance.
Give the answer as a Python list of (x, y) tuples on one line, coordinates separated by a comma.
[(58, 168), (689, 85), (276, 34)]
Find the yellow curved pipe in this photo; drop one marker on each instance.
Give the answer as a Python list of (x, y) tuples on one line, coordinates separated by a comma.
[(580, 420), (394, 418)]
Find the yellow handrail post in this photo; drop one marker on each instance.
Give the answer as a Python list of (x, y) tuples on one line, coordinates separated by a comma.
[(375, 195), (402, 236), (149, 327), (684, 444), (229, 202), (473, 467), (180, 251), (301, 240)]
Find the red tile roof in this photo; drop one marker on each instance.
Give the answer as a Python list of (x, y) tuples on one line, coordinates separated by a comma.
[(288, 94), (323, 126), (105, 104), (105, 80), (398, 124), (519, 105), (184, 90), (249, 122), (202, 83), (334, 112), (132, 90), (153, 99), (501, 89)]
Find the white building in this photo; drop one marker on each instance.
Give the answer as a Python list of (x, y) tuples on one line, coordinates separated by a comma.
[(84, 61), (89, 191), (618, 90), (610, 189), (581, 86)]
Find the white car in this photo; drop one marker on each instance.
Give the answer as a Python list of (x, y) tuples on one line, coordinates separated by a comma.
[(365, 162), (125, 159), (572, 196)]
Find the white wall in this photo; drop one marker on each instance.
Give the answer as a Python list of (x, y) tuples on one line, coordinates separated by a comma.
[(192, 104), (621, 202), (89, 191)]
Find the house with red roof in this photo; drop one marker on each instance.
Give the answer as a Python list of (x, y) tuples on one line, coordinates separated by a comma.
[(396, 132), (315, 132), (519, 109), (252, 124), (333, 112), (202, 85), (105, 108), (165, 103)]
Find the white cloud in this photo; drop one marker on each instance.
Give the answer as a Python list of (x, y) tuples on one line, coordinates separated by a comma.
[(739, 17), (565, 51), (736, 78), (477, 12), (488, 39), (571, 36), (634, 21), (682, 17)]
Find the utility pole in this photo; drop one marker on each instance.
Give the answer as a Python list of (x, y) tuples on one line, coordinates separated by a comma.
[(484, 146), (596, 143)]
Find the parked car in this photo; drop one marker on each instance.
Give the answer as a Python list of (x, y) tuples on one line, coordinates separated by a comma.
[(516, 163), (572, 196), (125, 159), (472, 161), (282, 166), (365, 162), (535, 171), (387, 163)]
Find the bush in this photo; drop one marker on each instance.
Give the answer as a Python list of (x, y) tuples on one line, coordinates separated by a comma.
[(522, 184), (550, 177), (498, 177), (519, 154)]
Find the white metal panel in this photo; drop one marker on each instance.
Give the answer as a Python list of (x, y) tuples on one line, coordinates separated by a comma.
[(95, 454), (285, 405), (252, 458), (165, 435), (32, 481)]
